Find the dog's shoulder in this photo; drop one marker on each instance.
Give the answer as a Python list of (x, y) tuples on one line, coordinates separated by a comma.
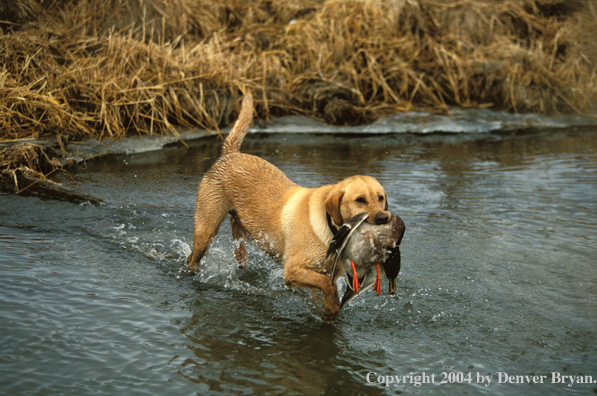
[(318, 214), (304, 214)]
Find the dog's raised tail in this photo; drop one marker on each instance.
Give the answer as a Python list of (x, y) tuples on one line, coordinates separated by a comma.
[(241, 126)]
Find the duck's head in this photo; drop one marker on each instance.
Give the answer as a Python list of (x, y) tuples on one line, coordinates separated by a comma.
[(391, 264)]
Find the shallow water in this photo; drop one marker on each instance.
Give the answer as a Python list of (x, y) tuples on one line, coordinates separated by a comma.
[(498, 275)]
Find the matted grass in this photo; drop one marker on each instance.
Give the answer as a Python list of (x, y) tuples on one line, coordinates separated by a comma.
[(113, 68)]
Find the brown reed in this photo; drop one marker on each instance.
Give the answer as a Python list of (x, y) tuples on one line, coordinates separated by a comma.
[(82, 68)]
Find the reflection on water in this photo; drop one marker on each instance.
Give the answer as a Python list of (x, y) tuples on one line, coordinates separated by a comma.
[(262, 356), (498, 275)]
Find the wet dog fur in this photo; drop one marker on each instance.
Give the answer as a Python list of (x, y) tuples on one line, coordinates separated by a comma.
[(287, 221)]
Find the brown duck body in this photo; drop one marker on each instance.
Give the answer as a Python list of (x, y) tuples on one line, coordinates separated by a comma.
[(367, 246)]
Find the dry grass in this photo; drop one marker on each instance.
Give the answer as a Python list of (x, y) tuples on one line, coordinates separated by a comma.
[(28, 156), (85, 68)]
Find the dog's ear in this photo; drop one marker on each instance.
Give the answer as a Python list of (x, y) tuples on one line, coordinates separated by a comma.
[(332, 205), (386, 195)]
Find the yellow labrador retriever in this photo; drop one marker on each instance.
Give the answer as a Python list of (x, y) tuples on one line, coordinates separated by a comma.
[(293, 224)]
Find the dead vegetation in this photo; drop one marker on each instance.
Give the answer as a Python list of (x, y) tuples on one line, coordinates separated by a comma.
[(28, 155), (24, 169), (82, 68)]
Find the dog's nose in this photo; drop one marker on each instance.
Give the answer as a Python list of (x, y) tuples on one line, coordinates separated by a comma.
[(381, 218)]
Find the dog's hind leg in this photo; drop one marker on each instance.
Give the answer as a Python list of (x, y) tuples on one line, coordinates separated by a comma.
[(211, 210), (240, 236)]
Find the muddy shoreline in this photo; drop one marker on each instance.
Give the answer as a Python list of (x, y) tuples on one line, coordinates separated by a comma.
[(31, 165)]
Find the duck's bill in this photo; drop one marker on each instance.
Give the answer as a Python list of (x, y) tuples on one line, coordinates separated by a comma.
[(392, 285)]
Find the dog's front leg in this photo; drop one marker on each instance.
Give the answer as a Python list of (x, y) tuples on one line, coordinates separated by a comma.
[(296, 275)]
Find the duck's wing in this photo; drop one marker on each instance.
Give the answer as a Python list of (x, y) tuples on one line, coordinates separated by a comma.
[(341, 238), (349, 295)]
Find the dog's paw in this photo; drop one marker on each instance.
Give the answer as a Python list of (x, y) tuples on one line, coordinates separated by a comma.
[(329, 316), (331, 306), (185, 271)]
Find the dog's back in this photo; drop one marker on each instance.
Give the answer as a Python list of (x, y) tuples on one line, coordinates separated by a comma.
[(245, 186)]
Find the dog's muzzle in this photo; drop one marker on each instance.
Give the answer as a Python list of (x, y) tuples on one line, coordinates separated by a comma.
[(381, 218)]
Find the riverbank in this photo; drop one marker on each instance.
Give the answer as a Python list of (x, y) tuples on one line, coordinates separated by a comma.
[(27, 164), (82, 69)]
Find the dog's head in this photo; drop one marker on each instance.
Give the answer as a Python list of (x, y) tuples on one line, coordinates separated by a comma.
[(358, 194)]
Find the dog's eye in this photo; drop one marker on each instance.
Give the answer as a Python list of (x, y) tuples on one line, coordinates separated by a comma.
[(381, 197), (361, 200)]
